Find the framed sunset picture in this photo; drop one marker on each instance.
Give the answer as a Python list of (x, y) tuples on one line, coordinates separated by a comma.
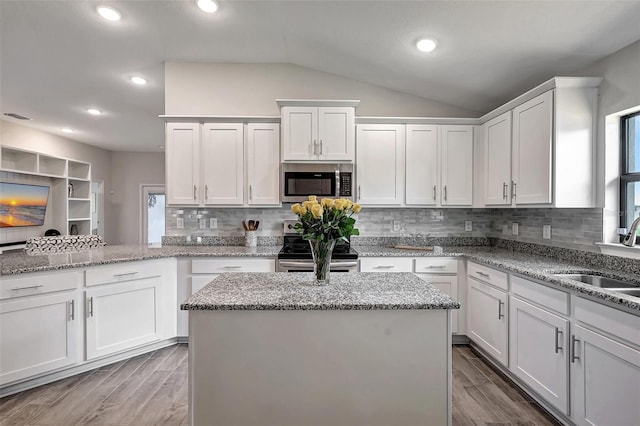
[(22, 205)]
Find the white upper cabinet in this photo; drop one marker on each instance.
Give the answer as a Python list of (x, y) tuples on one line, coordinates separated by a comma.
[(263, 164), (457, 165), (497, 142), (541, 152), (223, 163), (380, 164), (422, 187), (182, 163), (318, 133), (532, 150)]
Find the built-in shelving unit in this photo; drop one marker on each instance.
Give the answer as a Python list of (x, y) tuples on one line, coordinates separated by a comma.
[(70, 183)]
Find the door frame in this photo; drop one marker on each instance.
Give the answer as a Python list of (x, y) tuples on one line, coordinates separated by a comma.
[(145, 190)]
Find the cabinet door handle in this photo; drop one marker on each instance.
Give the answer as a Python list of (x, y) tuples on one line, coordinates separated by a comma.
[(445, 192), (482, 274), (250, 192), (320, 146), (384, 267), (559, 333), (206, 192), (573, 349), (359, 193), (72, 308), (434, 192), (513, 189), (504, 190), (500, 314), (30, 287), (195, 192), (90, 302), (435, 267), (315, 147), (124, 274), (232, 267)]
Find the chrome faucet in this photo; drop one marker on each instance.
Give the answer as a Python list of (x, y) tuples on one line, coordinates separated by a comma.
[(630, 238)]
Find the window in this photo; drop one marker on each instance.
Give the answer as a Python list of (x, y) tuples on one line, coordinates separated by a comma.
[(630, 173)]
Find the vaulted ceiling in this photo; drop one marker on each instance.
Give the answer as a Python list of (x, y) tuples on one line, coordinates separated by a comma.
[(58, 58)]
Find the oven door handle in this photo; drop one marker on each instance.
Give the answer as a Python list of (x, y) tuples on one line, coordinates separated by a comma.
[(309, 265)]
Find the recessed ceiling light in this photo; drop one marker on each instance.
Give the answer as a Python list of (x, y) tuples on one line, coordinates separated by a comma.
[(138, 80), (426, 45), (208, 6), (67, 130), (109, 13), (94, 111)]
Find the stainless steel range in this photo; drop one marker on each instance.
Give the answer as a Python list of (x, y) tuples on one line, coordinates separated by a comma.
[(295, 255)]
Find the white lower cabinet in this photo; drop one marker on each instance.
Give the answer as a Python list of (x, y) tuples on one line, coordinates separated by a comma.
[(487, 319), (538, 351), (124, 315), (38, 334), (605, 366), (194, 274), (605, 380), (448, 284)]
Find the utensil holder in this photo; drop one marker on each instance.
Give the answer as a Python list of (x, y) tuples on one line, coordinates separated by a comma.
[(250, 239)]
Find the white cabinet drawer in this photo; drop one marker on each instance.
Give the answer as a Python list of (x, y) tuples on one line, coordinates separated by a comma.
[(488, 275), (620, 324), (126, 271), (544, 296), (38, 283), (231, 264), (386, 264), (436, 265)]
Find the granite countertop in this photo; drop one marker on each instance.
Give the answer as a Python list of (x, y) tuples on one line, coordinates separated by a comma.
[(17, 263), (537, 267), (297, 291)]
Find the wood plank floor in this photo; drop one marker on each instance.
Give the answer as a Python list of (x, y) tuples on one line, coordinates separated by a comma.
[(151, 389)]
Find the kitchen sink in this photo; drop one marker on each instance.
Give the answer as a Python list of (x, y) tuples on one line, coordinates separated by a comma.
[(602, 282), (629, 291)]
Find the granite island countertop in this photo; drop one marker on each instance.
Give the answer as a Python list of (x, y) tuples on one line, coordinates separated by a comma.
[(297, 291)]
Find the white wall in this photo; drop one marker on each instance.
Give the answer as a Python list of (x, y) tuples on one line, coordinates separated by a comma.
[(129, 170), (251, 89), (18, 136), (619, 91)]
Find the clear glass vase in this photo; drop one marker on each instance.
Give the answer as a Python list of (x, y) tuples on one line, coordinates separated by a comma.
[(321, 251)]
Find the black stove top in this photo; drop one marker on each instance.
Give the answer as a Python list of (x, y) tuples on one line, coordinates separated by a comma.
[(297, 248)]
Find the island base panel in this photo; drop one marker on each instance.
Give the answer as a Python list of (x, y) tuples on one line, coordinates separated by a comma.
[(377, 367)]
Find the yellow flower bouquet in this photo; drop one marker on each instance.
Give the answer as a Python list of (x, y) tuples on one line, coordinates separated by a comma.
[(322, 223)]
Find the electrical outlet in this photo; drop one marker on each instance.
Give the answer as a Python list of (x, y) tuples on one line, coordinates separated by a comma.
[(202, 223), (514, 228), (179, 222), (468, 225), (397, 225), (213, 222), (546, 232)]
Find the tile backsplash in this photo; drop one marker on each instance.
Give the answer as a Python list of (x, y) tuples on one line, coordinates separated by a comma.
[(571, 228)]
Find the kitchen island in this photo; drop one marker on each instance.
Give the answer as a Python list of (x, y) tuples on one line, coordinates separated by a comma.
[(274, 349)]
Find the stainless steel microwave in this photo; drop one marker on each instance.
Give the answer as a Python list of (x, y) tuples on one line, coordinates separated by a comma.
[(323, 180)]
